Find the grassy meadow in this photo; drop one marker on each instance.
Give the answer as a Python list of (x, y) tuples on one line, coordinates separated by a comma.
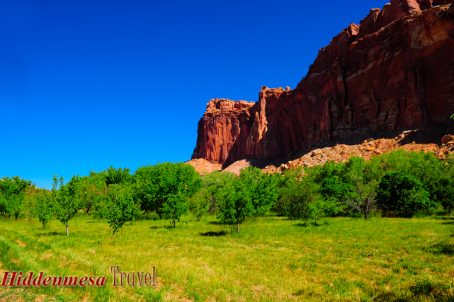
[(272, 259)]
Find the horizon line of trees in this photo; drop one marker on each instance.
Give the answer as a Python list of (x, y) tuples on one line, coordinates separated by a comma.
[(398, 184)]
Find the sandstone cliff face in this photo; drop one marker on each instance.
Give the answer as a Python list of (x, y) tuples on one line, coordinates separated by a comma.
[(392, 72), (222, 130)]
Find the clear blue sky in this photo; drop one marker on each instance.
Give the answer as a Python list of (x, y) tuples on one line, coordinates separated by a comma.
[(85, 85)]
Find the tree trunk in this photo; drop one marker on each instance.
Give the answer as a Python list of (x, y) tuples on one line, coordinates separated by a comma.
[(67, 230), (238, 226), (365, 215)]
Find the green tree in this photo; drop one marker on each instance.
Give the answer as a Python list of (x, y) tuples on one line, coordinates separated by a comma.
[(174, 207), (200, 203), (12, 195), (206, 200), (117, 176), (92, 191), (234, 204), (261, 189), (336, 192), (164, 187), (44, 207), (402, 195), (286, 183), (66, 199), (364, 198), (120, 206), (301, 199)]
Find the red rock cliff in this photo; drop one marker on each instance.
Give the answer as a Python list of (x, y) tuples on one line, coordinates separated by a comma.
[(394, 71)]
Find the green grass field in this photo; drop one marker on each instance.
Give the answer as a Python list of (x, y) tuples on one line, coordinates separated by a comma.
[(272, 259)]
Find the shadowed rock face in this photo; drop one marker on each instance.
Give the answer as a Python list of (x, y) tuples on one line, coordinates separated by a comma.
[(392, 72)]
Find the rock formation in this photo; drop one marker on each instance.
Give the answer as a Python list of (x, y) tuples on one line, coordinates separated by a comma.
[(394, 71)]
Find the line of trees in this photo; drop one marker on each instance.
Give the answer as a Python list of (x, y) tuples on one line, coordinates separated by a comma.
[(399, 184)]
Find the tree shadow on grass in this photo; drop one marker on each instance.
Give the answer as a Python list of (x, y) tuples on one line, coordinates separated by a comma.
[(155, 227), (448, 222), (308, 224), (422, 290), (444, 218), (214, 223), (443, 248), (48, 234), (214, 234)]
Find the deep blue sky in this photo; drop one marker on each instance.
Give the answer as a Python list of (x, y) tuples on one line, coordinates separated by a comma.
[(89, 84)]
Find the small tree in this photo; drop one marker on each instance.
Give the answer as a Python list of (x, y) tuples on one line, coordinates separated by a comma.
[(234, 204), (174, 207), (93, 189), (317, 209), (12, 195), (301, 199), (206, 200), (200, 203), (261, 189), (364, 199), (168, 184), (44, 207), (66, 200), (335, 192), (120, 207)]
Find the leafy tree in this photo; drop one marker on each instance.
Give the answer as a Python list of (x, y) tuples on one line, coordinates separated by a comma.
[(402, 195), (301, 200), (174, 207), (66, 199), (92, 190), (200, 203), (12, 195), (120, 206), (117, 176), (286, 185), (317, 209), (261, 189), (206, 200), (235, 204), (335, 184), (335, 192), (162, 188), (214, 182), (44, 207), (364, 199)]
